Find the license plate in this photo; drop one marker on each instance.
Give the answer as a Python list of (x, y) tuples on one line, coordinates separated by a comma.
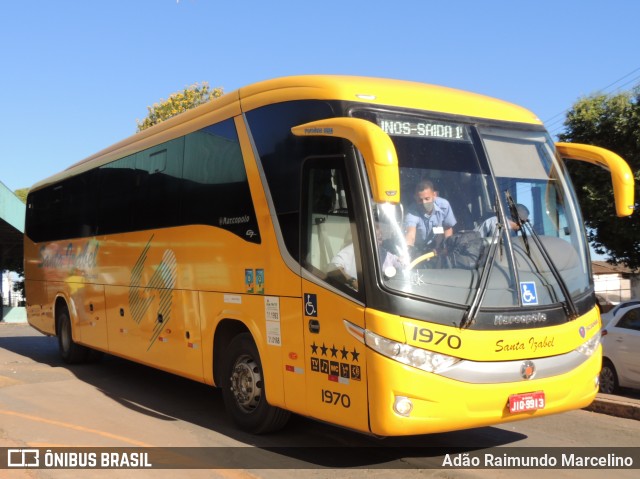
[(526, 402)]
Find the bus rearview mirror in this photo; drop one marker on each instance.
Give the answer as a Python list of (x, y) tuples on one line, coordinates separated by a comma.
[(375, 145), (621, 175)]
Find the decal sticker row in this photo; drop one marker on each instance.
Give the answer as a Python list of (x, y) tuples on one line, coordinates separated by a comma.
[(338, 364), (254, 281)]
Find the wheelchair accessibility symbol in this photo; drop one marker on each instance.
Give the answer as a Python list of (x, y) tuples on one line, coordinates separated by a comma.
[(310, 305), (528, 293)]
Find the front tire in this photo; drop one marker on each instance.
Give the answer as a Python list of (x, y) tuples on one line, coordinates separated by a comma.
[(608, 378), (243, 389)]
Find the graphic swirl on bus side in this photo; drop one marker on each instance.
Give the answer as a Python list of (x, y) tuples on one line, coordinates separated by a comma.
[(162, 281), (137, 302)]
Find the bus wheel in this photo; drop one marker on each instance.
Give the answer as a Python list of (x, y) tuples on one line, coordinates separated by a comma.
[(70, 352), (243, 389), (608, 378)]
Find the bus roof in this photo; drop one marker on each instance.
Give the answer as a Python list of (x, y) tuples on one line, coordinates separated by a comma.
[(374, 91), (382, 91)]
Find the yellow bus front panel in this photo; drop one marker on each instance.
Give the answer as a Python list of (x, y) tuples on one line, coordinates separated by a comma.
[(441, 404), (487, 368)]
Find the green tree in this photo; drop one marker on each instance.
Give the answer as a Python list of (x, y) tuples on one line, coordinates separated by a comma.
[(179, 102), (612, 122), (22, 194)]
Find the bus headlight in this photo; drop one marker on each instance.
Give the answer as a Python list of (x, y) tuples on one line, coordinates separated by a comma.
[(403, 353), (589, 347)]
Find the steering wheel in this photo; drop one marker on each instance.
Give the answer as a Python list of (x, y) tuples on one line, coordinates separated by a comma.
[(421, 258)]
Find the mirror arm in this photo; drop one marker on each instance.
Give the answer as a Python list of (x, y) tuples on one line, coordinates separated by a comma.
[(375, 145)]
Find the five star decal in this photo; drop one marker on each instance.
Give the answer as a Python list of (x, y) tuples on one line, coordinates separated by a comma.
[(333, 351), (341, 370)]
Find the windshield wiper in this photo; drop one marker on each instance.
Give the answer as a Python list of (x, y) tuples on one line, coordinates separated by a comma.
[(524, 224), (481, 289)]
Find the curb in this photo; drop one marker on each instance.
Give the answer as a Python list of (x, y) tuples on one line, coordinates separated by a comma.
[(618, 406)]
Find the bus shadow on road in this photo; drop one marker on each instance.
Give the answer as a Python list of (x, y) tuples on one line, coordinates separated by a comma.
[(304, 443)]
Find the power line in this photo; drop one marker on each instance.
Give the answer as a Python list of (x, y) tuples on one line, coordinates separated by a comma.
[(622, 78), (555, 126), (604, 90), (554, 120)]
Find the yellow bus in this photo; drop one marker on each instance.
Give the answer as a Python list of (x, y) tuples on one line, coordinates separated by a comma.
[(387, 256)]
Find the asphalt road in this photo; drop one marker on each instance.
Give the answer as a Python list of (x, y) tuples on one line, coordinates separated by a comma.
[(45, 403)]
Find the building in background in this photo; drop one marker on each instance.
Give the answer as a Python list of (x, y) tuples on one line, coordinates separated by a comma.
[(10, 297), (12, 211), (614, 284)]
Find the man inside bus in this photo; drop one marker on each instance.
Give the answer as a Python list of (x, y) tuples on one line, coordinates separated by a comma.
[(429, 221), (344, 262), (487, 228)]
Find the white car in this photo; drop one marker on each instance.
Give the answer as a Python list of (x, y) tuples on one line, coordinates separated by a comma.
[(615, 310), (621, 350)]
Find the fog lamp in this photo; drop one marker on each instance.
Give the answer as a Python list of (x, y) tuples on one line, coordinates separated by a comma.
[(403, 406)]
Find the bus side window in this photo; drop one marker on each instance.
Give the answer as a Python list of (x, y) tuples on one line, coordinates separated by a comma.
[(117, 195), (158, 185), (216, 190), (329, 237)]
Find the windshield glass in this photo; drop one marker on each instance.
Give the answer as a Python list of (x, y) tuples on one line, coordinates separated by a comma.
[(486, 216)]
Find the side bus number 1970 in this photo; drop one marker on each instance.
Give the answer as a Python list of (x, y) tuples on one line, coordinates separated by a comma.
[(335, 398), (426, 335)]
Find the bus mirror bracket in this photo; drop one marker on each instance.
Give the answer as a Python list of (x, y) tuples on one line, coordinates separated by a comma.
[(621, 175), (375, 145)]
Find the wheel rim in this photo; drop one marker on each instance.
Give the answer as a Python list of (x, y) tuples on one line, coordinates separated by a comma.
[(246, 383), (607, 380)]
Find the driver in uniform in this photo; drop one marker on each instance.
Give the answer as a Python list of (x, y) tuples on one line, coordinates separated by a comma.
[(429, 221)]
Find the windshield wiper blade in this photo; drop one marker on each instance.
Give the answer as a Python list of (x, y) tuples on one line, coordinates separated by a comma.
[(571, 305), (481, 289), (524, 225)]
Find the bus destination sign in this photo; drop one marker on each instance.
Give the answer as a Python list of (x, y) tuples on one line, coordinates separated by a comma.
[(423, 129)]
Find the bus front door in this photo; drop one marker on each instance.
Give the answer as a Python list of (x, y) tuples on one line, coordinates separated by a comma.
[(336, 368), (335, 359)]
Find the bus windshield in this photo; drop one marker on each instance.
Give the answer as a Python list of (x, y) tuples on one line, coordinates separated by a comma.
[(486, 216)]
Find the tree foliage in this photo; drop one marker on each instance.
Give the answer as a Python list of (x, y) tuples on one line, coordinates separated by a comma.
[(22, 194), (179, 102), (612, 122)]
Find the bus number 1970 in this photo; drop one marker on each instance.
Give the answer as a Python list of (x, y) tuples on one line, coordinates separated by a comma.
[(335, 398), (426, 335)]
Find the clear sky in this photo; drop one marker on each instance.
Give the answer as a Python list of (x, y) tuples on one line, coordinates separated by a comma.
[(76, 74)]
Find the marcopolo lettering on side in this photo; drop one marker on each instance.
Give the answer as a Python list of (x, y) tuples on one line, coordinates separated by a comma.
[(234, 221)]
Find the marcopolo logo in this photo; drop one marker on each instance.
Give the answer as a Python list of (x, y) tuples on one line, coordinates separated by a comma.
[(238, 220), (508, 319)]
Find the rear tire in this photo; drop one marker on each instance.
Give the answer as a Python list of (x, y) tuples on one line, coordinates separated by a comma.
[(608, 378), (70, 352), (243, 389)]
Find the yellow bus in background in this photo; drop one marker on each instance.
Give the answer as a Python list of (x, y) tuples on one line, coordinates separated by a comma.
[(206, 246)]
